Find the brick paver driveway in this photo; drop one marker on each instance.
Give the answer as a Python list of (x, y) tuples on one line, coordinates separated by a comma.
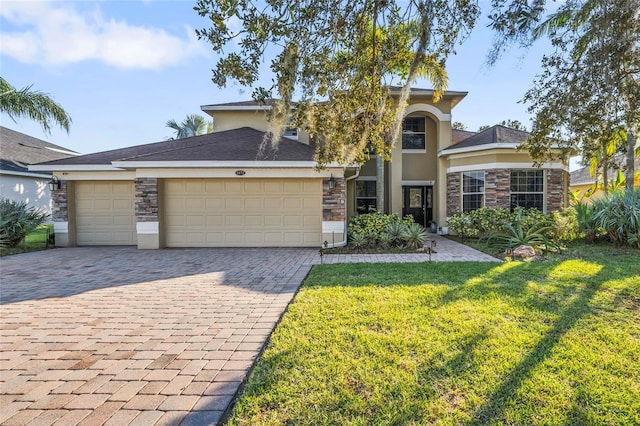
[(123, 336)]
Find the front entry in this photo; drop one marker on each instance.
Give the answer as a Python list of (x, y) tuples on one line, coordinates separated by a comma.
[(417, 202)]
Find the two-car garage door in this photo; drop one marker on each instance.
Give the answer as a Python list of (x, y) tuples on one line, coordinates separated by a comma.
[(242, 212), (206, 212)]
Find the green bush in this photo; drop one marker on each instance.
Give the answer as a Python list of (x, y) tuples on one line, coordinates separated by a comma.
[(16, 220), (565, 224), (524, 231), (480, 222), (378, 229), (374, 224), (416, 235), (618, 216)]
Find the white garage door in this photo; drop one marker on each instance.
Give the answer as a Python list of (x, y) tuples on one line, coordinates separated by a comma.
[(243, 212), (105, 213)]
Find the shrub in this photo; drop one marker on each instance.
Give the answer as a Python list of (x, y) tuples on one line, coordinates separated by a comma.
[(565, 225), (416, 236), (523, 232), (479, 222), (618, 215), (16, 220), (373, 223), (397, 232)]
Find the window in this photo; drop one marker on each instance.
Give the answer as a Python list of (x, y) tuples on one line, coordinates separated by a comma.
[(527, 189), (291, 133), (414, 135), (472, 190), (366, 201)]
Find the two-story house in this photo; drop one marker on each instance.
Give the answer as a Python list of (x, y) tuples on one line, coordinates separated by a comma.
[(224, 189)]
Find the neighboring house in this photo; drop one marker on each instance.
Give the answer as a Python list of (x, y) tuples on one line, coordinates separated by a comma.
[(582, 180), (17, 151), (221, 189)]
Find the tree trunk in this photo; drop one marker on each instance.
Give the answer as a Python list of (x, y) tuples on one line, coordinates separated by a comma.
[(605, 170), (630, 168), (380, 183)]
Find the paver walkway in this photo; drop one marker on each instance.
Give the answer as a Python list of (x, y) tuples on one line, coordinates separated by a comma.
[(445, 250), (118, 336)]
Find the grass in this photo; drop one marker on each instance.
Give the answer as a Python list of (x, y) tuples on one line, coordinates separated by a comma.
[(34, 241), (546, 343)]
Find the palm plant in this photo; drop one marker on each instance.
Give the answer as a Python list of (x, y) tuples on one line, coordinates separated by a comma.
[(397, 232), (192, 125), (517, 234), (416, 236), (32, 104), (16, 220), (618, 214)]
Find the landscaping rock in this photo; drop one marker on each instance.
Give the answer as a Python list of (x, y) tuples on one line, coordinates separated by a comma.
[(524, 252)]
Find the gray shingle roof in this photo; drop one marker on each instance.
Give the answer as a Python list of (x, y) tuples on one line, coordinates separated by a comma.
[(583, 177), (241, 144), (458, 136), (25, 149), (493, 135)]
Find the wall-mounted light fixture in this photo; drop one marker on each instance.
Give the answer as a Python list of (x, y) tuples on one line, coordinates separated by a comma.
[(332, 183), (54, 184)]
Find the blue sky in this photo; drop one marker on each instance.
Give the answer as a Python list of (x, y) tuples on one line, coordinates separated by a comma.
[(123, 68)]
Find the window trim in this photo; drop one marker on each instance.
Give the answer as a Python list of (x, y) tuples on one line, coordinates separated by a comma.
[(542, 193), (463, 193)]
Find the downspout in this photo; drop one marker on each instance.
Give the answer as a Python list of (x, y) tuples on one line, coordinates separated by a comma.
[(344, 233)]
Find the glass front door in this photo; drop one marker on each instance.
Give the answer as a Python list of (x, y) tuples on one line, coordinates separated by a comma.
[(417, 202)]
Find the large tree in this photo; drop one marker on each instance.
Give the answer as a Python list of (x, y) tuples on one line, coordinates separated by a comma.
[(589, 89), (337, 59), (32, 104)]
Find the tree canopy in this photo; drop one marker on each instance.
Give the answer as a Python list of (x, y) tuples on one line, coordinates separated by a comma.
[(338, 59), (32, 104), (589, 89), (192, 125)]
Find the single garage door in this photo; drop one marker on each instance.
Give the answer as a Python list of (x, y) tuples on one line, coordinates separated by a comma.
[(243, 212), (105, 213)]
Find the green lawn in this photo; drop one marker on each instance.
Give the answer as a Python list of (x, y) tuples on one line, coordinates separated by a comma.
[(551, 342)]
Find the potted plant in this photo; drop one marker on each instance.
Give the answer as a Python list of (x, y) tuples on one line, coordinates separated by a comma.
[(433, 226)]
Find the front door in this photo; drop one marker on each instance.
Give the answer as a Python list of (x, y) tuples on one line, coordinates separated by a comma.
[(417, 202)]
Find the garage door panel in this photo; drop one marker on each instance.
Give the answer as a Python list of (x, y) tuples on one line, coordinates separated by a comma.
[(253, 203), (245, 212), (105, 213), (273, 204), (233, 187), (233, 220)]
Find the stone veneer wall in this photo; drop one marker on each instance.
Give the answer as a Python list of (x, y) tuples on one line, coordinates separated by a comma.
[(60, 203), (333, 201), (557, 187), (454, 202), (497, 188), (146, 199)]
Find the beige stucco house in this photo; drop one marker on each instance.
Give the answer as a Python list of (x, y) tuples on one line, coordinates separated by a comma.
[(223, 190)]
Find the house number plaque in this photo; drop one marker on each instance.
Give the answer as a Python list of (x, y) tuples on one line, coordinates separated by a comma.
[(240, 172)]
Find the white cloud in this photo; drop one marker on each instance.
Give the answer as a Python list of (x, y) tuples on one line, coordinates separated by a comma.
[(57, 34)]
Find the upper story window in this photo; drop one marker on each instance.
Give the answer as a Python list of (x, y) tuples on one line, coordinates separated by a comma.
[(291, 133), (414, 134), (472, 190), (527, 189)]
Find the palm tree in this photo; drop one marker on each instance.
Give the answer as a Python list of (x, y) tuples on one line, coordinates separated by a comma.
[(33, 104), (193, 125)]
